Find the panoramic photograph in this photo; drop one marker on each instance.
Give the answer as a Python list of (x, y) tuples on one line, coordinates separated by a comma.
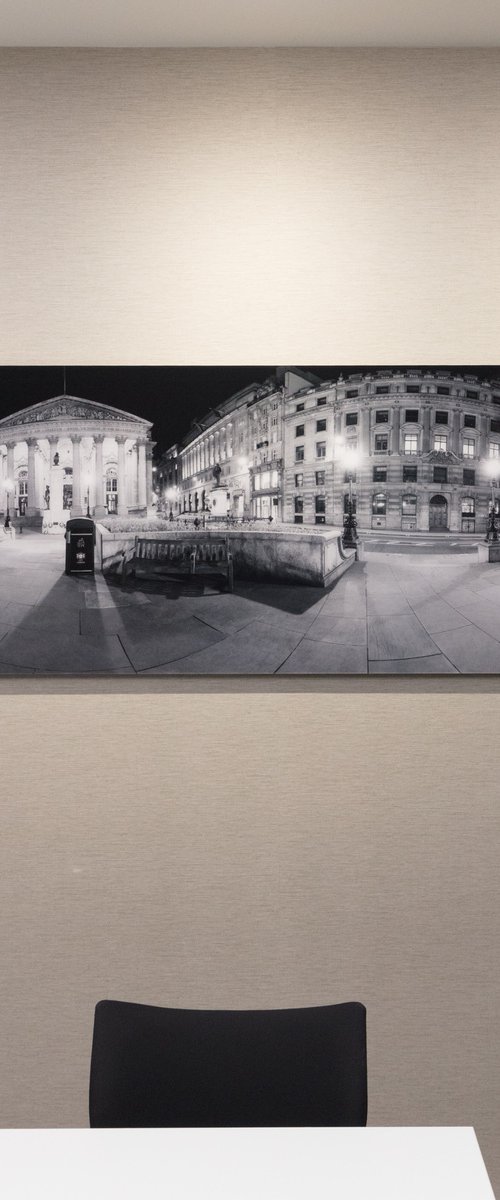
[(250, 520)]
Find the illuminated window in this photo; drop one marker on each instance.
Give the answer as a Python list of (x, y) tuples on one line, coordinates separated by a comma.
[(379, 504), (494, 450), (299, 480), (468, 506), (411, 443), (440, 441), (468, 447)]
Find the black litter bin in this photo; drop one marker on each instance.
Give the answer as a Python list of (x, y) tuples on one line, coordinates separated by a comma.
[(80, 542)]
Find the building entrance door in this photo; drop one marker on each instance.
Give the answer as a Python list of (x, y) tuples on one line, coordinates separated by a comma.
[(438, 513)]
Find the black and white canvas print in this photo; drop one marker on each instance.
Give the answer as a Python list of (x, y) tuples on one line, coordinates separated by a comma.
[(250, 520)]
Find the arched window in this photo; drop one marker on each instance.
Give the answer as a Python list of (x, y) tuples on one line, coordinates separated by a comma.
[(379, 504), (409, 505)]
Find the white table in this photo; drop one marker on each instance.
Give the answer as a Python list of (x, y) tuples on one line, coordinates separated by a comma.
[(242, 1164)]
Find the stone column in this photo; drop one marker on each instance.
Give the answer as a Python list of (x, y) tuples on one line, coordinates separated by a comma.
[(76, 502), (56, 493), (149, 473), (426, 437), (364, 432), (122, 478), (31, 508), (141, 475), (100, 508), (483, 437), (11, 477), (396, 420), (455, 433)]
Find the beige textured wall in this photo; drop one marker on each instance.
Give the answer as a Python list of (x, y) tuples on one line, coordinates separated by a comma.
[(262, 842)]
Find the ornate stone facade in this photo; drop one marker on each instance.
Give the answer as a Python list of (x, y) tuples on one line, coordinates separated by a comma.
[(424, 448), (66, 456)]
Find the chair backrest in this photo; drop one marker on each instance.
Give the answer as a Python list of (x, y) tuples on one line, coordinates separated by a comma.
[(188, 1067)]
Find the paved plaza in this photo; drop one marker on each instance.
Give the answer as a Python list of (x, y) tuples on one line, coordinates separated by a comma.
[(395, 611)]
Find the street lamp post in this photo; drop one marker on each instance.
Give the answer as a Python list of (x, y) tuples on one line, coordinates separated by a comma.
[(492, 466), (349, 458)]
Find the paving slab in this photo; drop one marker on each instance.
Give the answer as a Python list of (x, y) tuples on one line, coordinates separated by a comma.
[(157, 647), (61, 653), (402, 636), (436, 615), (346, 631), (433, 664), (325, 658), (258, 649), (469, 649)]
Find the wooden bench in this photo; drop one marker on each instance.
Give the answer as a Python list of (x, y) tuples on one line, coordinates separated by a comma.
[(195, 556)]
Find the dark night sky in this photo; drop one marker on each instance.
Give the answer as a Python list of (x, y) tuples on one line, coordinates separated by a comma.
[(168, 396)]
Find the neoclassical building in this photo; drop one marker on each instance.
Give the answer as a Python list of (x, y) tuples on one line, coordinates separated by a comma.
[(66, 456), (419, 448), (232, 457)]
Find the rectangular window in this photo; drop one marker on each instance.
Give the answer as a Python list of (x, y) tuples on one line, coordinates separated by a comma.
[(320, 401), (379, 504), (441, 417), (381, 443), (320, 504), (440, 475), (381, 416), (351, 393), (299, 407), (320, 449), (299, 454), (379, 474), (298, 510), (299, 430), (299, 480), (494, 426), (351, 418), (411, 443), (409, 506), (411, 416), (469, 421), (469, 477), (468, 447), (440, 441), (321, 425), (382, 389), (471, 395), (494, 450), (413, 389), (410, 474), (443, 391), (320, 478), (468, 506)]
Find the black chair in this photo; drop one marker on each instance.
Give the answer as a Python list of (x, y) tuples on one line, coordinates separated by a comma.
[(189, 1067)]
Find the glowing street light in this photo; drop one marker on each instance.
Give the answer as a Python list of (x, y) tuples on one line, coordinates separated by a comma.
[(349, 458), (492, 470)]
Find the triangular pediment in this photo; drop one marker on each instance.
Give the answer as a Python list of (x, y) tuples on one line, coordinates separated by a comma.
[(73, 408)]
